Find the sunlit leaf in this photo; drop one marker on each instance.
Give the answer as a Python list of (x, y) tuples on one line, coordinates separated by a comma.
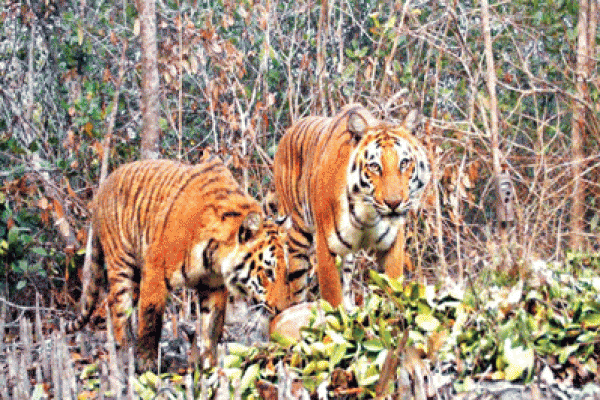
[(427, 322), (249, 377), (591, 321), (518, 360), (339, 352), (373, 345), (565, 352)]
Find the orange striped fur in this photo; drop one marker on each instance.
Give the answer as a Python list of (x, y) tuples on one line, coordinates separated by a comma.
[(160, 225), (348, 183)]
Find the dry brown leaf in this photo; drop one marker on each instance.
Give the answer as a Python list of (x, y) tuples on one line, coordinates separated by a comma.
[(70, 190), (43, 203), (266, 390), (58, 209)]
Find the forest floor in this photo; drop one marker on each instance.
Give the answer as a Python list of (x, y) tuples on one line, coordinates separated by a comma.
[(350, 355)]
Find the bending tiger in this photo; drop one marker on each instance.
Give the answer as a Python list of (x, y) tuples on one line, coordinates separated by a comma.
[(348, 183), (161, 225)]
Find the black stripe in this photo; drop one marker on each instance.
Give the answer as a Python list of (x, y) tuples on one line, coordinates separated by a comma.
[(341, 239), (307, 235), (121, 292), (299, 291), (302, 256), (292, 276), (356, 222), (296, 243), (206, 256), (227, 214), (363, 183), (192, 177), (383, 235)]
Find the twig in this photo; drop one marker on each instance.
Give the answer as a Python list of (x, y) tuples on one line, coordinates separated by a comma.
[(87, 262)]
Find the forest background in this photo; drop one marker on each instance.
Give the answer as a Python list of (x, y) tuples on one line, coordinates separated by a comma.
[(508, 94), (519, 109)]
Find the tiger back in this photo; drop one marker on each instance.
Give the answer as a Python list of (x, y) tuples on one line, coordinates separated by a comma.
[(348, 183), (160, 225)]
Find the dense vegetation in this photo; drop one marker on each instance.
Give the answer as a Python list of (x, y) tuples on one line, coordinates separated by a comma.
[(235, 73)]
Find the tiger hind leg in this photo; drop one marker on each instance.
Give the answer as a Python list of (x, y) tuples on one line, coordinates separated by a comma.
[(151, 307), (120, 299)]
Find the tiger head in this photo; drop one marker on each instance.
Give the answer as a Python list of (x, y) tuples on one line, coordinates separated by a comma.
[(389, 167), (256, 266)]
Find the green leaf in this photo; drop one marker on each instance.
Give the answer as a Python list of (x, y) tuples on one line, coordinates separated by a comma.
[(39, 251), (518, 360), (373, 345), (238, 349), (427, 322), (325, 306), (250, 376), (365, 371), (283, 340), (591, 321), (377, 278), (88, 371), (397, 285), (13, 234), (149, 378), (565, 352), (232, 361), (38, 392), (335, 337), (21, 284), (3, 247), (339, 352)]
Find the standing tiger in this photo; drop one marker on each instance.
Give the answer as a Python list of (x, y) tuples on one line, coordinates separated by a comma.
[(160, 225), (348, 182)]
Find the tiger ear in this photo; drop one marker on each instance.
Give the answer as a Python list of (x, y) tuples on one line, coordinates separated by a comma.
[(250, 226), (410, 121), (357, 124)]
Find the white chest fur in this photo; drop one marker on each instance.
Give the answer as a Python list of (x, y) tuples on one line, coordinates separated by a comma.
[(359, 226)]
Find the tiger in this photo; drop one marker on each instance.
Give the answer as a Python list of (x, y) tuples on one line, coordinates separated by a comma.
[(348, 183), (160, 225)]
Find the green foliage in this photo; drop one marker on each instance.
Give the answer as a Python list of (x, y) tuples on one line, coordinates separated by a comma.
[(493, 332), (20, 252), (582, 263)]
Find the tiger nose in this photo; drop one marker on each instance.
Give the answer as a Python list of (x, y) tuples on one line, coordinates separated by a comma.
[(392, 203)]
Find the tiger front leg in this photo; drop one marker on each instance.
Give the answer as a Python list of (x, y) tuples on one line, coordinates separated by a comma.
[(329, 277), (213, 308), (395, 259)]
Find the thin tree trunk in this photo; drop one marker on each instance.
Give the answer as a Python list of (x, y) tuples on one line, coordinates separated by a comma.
[(150, 81), (493, 103), (321, 33), (582, 72)]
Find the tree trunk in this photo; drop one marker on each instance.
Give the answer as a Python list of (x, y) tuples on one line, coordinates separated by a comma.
[(499, 175), (321, 38), (150, 82), (585, 45)]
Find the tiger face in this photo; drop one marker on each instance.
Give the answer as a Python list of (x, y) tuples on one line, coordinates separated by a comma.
[(250, 270), (387, 174)]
